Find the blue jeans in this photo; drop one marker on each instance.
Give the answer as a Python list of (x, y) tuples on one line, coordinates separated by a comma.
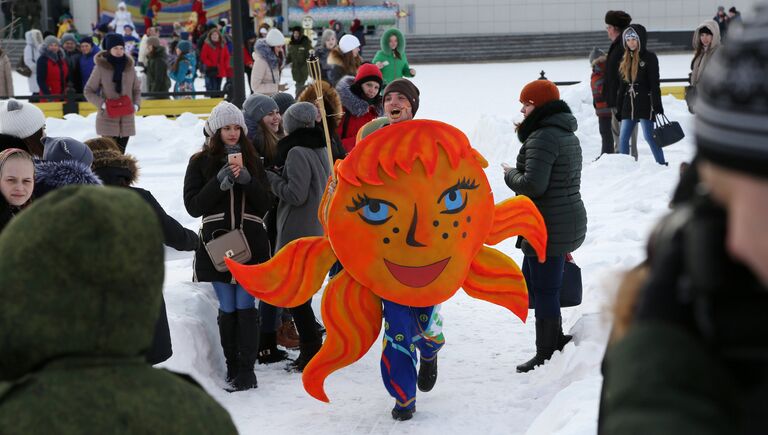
[(627, 125), (544, 281), (233, 297), (213, 83)]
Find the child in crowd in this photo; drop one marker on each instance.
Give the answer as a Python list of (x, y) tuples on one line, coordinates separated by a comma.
[(597, 59)]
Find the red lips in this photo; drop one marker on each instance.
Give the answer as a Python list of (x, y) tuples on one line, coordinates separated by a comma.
[(416, 276)]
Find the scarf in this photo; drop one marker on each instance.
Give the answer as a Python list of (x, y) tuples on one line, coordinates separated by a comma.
[(118, 63)]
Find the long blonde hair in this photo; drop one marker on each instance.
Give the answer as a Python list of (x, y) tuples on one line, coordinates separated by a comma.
[(629, 65)]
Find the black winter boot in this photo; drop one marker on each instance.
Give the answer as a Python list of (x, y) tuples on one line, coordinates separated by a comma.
[(228, 333), (248, 345), (427, 374), (403, 414), (306, 352), (268, 351), (547, 335)]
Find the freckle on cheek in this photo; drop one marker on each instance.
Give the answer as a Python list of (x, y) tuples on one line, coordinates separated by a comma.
[(445, 235), (386, 240)]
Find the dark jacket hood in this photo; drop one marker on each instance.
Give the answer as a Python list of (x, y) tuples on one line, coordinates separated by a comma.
[(640, 30), (302, 137), (53, 175), (553, 114), (384, 41), (101, 250), (114, 168)]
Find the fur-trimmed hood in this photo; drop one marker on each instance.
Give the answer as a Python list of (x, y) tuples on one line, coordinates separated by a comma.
[(336, 57), (114, 168), (553, 114), (714, 28), (53, 175), (351, 102), (101, 61), (262, 50), (384, 41), (331, 101)]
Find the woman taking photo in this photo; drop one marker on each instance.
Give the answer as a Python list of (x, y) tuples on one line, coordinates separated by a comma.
[(115, 91), (225, 184), (639, 98), (548, 171)]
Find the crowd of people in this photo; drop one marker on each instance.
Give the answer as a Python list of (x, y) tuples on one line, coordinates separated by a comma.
[(258, 180)]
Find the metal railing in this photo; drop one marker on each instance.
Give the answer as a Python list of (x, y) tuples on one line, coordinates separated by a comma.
[(569, 83)]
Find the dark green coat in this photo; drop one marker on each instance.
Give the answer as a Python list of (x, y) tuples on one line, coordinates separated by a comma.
[(659, 379), (548, 171), (78, 316), (298, 53), (157, 71)]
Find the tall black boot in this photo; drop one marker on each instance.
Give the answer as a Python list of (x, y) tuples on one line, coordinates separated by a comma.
[(310, 339), (268, 351), (307, 351), (228, 333), (248, 346), (547, 335)]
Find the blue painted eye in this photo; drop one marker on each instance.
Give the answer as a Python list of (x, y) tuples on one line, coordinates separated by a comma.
[(375, 212), (454, 202)]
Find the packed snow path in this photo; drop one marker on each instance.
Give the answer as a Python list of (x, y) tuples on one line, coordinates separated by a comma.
[(478, 390)]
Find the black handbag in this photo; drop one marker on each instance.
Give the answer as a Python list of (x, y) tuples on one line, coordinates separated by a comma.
[(666, 132), (571, 290)]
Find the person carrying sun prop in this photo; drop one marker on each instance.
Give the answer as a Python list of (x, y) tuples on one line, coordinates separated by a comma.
[(417, 193)]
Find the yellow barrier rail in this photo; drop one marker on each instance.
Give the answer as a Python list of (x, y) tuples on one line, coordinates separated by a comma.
[(171, 108), (676, 91)]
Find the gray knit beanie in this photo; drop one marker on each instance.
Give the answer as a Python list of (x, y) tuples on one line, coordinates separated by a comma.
[(68, 37), (300, 115), (257, 106), (732, 100), (284, 101), (226, 114), (58, 149), (50, 39)]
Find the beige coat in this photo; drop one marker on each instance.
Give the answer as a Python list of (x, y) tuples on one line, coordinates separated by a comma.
[(100, 88), (264, 78), (6, 78), (700, 62)]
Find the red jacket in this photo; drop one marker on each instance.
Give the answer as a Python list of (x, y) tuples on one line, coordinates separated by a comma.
[(52, 75), (350, 124), (217, 56)]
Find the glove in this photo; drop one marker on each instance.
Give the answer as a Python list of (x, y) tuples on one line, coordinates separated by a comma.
[(103, 106), (135, 108), (224, 172), (227, 183), (244, 177)]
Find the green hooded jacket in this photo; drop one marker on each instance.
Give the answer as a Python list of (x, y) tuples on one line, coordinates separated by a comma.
[(396, 67), (81, 276)]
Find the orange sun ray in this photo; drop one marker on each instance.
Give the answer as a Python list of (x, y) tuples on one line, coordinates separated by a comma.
[(352, 316), (518, 216), (292, 276), (495, 278)]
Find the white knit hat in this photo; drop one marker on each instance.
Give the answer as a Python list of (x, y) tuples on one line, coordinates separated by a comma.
[(226, 114), (275, 38), (19, 119), (348, 43)]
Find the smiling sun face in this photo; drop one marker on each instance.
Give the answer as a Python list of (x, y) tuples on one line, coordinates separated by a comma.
[(419, 233)]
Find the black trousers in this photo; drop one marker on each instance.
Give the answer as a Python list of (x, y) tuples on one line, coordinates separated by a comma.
[(122, 142)]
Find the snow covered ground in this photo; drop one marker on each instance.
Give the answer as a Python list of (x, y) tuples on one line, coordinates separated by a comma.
[(478, 390)]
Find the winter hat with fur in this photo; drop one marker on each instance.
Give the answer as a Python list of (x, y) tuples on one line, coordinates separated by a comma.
[(115, 168), (284, 101), (58, 149), (732, 114), (275, 38), (226, 114), (19, 119), (407, 88), (618, 19), (257, 106), (300, 115), (348, 43), (539, 92)]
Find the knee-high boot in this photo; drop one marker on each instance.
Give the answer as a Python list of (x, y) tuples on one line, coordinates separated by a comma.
[(228, 333), (248, 347), (547, 336)]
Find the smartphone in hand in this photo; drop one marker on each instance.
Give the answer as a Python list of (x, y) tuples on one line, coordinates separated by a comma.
[(235, 159)]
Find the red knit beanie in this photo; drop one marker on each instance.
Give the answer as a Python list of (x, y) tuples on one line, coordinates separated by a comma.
[(368, 72), (539, 92)]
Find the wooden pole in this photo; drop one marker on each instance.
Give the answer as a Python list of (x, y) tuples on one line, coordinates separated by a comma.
[(314, 72)]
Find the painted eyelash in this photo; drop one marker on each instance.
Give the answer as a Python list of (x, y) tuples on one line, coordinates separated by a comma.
[(466, 183), (359, 202)]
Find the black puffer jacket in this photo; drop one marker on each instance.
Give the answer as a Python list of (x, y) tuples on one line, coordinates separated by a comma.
[(548, 171), (203, 197), (642, 98)]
